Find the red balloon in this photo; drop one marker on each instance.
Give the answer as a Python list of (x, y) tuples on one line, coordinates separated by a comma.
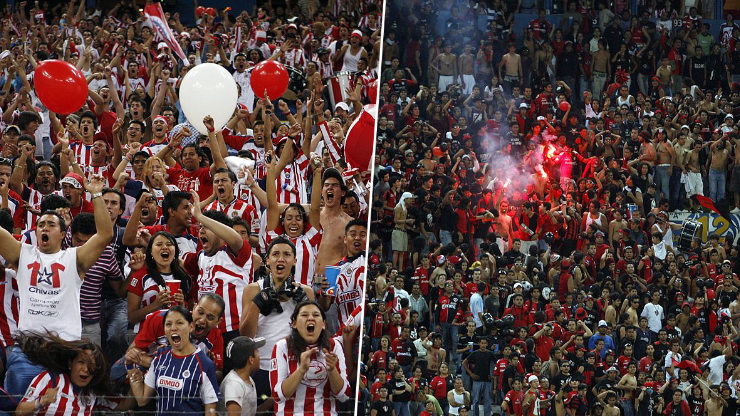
[(358, 148), (60, 86), (199, 10), (564, 105), (271, 76), (211, 11)]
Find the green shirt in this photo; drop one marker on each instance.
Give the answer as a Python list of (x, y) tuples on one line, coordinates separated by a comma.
[(706, 42)]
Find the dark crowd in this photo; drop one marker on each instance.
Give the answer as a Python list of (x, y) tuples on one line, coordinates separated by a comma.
[(525, 256)]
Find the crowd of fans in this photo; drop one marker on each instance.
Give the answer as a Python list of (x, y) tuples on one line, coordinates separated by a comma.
[(521, 253), (143, 260)]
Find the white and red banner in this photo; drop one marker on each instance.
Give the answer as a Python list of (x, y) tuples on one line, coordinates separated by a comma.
[(155, 16)]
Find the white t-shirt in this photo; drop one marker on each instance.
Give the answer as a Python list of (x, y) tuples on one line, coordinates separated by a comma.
[(715, 369), (49, 292), (654, 315), (234, 389), (476, 305)]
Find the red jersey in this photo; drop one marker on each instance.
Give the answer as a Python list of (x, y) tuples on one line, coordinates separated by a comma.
[(421, 276), (199, 180), (514, 400)]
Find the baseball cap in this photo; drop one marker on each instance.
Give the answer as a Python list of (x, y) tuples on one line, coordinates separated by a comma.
[(161, 45), (517, 284), (612, 369), (334, 173), (441, 260), (532, 378), (523, 105), (73, 179), (341, 105), (12, 127), (581, 313), (602, 323), (243, 346)]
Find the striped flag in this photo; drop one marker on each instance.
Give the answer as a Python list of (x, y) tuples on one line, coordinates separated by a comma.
[(155, 17)]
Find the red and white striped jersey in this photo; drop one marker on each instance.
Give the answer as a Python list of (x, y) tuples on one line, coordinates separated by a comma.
[(82, 151), (153, 148), (68, 402), (336, 151), (9, 310), (226, 275), (236, 208), (295, 58), (242, 192), (350, 286), (106, 171), (313, 397), (33, 198), (307, 250), (326, 69), (291, 184)]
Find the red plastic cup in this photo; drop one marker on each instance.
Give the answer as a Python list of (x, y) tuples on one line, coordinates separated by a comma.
[(173, 286)]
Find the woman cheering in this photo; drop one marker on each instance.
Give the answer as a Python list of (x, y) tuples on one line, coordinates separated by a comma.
[(182, 378), (309, 372)]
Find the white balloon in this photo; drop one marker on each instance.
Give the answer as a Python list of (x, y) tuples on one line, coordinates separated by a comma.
[(208, 90)]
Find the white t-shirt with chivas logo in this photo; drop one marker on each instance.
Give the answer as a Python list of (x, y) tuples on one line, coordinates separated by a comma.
[(49, 292)]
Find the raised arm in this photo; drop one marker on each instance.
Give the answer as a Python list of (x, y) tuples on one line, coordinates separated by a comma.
[(222, 231), (89, 253)]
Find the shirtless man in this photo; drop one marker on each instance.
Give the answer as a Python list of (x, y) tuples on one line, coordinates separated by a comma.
[(718, 169), (602, 67), (513, 74), (504, 228), (628, 384), (333, 220), (466, 64), (610, 405), (446, 66), (716, 404), (692, 169), (665, 159), (664, 75)]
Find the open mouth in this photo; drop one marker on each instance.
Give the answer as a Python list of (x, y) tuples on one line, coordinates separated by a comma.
[(310, 328), (203, 240), (165, 255), (44, 238), (221, 191), (199, 328), (293, 229), (175, 339), (357, 245), (86, 130), (329, 197), (84, 378), (145, 212), (280, 267)]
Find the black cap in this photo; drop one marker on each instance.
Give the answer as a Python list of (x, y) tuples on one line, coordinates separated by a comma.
[(334, 173), (241, 348)]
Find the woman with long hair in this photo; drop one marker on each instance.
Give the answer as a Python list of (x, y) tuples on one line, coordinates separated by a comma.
[(182, 378), (75, 381), (309, 371), (269, 303), (147, 290), (441, 384), (302, 228)]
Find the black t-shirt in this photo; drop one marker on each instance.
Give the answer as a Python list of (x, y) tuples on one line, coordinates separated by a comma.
[(466, 340), (561, 380), (481, 363), (384, 408), (397, 385), (509, 373), (608, 384)]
